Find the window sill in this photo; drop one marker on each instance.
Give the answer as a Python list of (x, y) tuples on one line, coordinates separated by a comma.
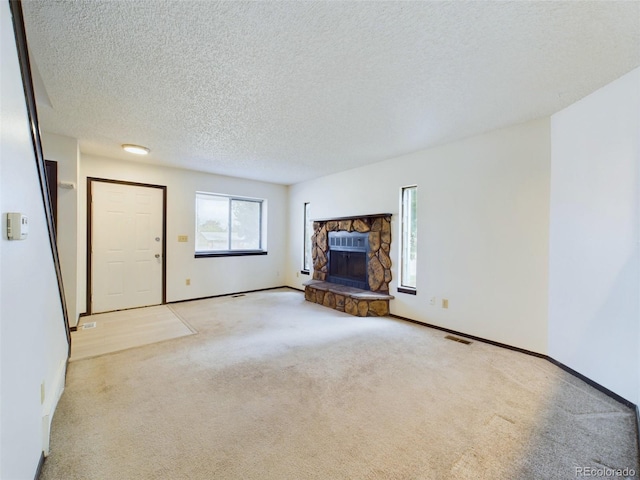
[(231, 253), (410, 291), (304, 272)]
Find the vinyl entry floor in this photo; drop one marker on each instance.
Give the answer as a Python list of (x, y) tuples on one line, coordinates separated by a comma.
[(115, 331)]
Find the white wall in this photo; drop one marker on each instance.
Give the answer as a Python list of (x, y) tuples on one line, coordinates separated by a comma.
[(593, 284), (65, 151), (209, 276), (483, 208), (33, 347)]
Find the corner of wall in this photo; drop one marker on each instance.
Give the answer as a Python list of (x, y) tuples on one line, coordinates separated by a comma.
[(66, 152), (52, 397), (594, 254), (33, 341)]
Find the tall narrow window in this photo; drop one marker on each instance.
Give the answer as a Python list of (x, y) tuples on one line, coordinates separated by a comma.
[(308, 231), (408, 265), (227, 225)]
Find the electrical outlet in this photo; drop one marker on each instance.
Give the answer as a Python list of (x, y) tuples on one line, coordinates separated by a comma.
[(183, 238), (445, 303), (432, 301), (188, 281)]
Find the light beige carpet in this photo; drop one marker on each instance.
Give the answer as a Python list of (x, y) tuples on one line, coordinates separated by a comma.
[(115, 331), (274, 387)]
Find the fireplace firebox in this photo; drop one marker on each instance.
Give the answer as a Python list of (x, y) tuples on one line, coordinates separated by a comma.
[(348, 259)]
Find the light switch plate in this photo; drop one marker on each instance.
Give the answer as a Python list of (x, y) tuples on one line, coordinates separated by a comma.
[(183, 238)]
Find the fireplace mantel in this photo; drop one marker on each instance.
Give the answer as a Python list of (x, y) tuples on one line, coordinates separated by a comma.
[(355, 217)]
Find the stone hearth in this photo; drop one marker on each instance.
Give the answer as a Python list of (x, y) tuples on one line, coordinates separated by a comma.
[(354, 301), (371, 302)]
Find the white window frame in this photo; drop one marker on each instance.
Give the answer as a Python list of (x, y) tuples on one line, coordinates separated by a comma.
[(306, 239), (262, 248), (406, 286)]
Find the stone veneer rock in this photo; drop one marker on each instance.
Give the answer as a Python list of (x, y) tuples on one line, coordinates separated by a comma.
[(379, 228), (379, 269), (353, 301)]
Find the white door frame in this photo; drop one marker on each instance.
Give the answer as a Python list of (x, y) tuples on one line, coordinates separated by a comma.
[(90, 181)]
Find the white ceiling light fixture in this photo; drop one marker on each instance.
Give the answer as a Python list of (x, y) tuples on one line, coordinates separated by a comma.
[(137, 149)]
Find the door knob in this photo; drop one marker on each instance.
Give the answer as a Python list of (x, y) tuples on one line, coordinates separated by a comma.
[(157, 255)]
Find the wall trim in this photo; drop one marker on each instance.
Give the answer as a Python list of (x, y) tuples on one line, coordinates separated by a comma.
[(595, 385), (231, 253), (231, 294), (472, 337), (558, 364)]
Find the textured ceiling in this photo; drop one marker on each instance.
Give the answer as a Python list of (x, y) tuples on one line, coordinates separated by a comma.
[(288, 91)]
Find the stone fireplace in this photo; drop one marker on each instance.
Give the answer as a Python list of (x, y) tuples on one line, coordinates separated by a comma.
[(351, 264)]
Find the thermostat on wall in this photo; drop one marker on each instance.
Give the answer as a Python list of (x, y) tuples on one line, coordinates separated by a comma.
[(17, 226)]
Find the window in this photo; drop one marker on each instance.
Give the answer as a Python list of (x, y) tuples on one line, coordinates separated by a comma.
[(409, 240), (227, 225), (308, 232)]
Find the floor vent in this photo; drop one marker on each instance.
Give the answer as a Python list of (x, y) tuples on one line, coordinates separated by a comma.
[(88, 325), (236, 296), (457, 339)]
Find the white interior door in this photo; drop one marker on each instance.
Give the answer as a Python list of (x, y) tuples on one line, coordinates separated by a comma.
[(127, 240)]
